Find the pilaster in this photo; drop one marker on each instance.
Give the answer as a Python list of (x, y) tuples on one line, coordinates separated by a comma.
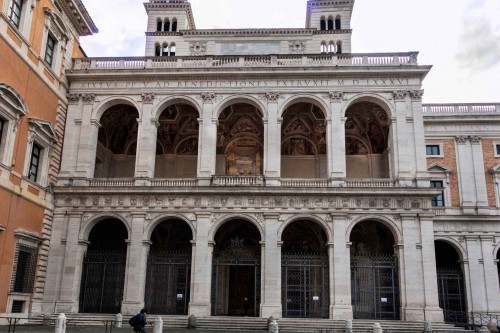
[(71, 137), (490, 274), (88, 142), (207, 146), (342, 307), (422, 175), (146, 142), (271, 270), (335, 127), (401, 138), (479, 175), (476, 282), (272, 140)]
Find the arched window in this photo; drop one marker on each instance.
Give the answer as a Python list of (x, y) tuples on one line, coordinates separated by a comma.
[(172, 50), (164, 51), (339, 46), (174, 25), (157, 50), (166, 25), (323, 47), (331, 47), (337, 23), (330, 23), (322, 23), (159, 25)]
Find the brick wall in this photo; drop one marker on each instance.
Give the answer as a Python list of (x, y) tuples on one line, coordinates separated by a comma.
[(489, 162)]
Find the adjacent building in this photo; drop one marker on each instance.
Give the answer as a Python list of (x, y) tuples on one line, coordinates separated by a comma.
[(38, 40), (259, 172)]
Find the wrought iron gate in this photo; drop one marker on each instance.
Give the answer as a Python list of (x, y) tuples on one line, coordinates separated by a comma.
[(167, 282), (452, 295), (305, 285), (103, 279), (374, 287), (237, 255)]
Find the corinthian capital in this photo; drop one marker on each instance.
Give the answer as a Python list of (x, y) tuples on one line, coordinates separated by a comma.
[(400, 95), (270, 96), (417, 94)]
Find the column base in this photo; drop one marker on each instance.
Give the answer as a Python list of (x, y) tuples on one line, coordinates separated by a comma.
[(132, 308), (413, 314), (434, 314), (341, 312), (199, 310), (269, 310)]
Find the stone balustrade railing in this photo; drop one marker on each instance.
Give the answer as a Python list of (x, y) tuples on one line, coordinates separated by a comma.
[(175, 182), (451, 109), (318, 60), (111, 182), (294, 182), (238, 181), (439, 211), (370, 183)]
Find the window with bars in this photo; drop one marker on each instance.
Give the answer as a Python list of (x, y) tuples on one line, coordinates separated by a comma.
[(439, 200), (433, 150), (49, 49), (14, 13), (36, 153), (17, 306), (25, 268)]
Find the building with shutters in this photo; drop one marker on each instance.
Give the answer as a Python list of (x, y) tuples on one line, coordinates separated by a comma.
[(259, 172)]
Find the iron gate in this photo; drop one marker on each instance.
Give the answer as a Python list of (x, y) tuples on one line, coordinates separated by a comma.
[(374, 287), (305, 285), (452, 295), (236, 255), (167, 282), (103, 279)]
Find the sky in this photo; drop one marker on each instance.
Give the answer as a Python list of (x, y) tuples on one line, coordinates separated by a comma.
[(460, 38)]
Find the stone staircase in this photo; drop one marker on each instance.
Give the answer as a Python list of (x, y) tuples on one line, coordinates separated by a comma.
[(286, 325)]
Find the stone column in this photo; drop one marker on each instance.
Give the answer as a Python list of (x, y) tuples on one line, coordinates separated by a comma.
[(479, 175), (272, 140), (413, 307), (271, 270), (403, 158), (146, 140), (74, 251), (207, 143), (201, 273), (422, 174), (88, 140), (335, 129), (476, 278), (466, 175), (136, 269), (71, 137), (342, 307), (490, 273), (432, 311)]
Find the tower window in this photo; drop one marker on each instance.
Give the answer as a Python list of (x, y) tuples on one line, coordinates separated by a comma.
[(14, 13), (330, 23), (337, 23), (36, 153), (323, 48), (49, 49), (159, 25), (322, 24), (172, 50), (439, 200), (166, 26), (157, 50), (174, 25), (339, 46), (165, 50)]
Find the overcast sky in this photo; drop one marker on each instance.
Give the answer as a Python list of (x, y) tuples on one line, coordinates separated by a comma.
[(461, 38)]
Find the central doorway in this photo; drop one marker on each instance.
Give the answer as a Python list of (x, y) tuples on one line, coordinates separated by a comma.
[(236, 270)]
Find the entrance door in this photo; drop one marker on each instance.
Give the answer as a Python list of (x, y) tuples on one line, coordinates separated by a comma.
[(374, 287), (452, 295)]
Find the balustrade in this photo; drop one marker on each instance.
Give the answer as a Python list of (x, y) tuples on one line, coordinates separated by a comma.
[(238, 181), (370, 183), (304, 182), (430, 109), (103, 182)]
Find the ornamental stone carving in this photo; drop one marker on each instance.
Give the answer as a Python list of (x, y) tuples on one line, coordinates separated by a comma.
[(88, 98), (475, 139), (417, 94), (148, 97), (461, 139), (335, 96), (209, 97), (270, 97), (197, 49), (73, 98), (297, 47), (400, 95)]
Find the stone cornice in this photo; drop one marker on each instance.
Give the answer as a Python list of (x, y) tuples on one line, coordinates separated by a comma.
[(79, 16)]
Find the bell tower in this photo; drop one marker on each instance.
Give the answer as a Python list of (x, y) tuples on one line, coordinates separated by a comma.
[(332, 17), (165, 19)]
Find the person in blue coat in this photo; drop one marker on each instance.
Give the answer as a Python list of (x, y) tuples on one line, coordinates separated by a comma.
[(140, 322)]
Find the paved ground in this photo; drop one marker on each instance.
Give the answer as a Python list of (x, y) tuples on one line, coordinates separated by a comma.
[(50, 329)]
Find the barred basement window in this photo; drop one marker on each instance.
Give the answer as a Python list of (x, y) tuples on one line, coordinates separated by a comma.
[(24, 269), (15, 9), (439, 200), (36, 153), (17, 307), (49, 49)]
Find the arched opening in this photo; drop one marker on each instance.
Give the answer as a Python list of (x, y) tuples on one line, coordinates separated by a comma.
[(303, 142), (367, 137), (157, 50), (177, 142), (117, 143), (330, 23), (159, 24), (103, 273), (337, 23), (172, 50), (166, 25), (374, 272), (331, 47), (236, 270), (240, 137), (304, 271), (168, 277), (451, 283), (339, 47), (174, 25), (164, 50), (322, 24), (323, 47)]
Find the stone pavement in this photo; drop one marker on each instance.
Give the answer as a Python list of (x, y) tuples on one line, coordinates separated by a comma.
[(69, 329)]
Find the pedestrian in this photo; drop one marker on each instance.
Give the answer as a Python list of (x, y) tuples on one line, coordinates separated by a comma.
[(140, 322)]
